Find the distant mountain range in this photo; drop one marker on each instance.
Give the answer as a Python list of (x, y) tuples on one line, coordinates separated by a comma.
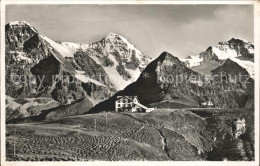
[(237, 50), (75, 77)]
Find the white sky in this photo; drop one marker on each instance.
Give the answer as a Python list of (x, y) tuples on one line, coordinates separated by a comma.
[(182, 30)]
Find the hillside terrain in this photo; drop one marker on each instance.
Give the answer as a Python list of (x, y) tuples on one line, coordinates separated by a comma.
[(179, 135)]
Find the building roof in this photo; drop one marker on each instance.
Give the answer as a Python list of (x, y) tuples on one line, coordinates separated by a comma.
[(128, 97)]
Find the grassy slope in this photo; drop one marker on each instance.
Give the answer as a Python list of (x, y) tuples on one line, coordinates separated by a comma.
[(162, 135)]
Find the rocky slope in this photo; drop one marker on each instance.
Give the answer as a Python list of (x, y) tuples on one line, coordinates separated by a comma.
[(215, 56), (17, 33), (167, 79), (122, 63), (237, 73)]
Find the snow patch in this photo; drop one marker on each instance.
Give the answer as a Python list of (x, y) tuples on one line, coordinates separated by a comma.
[(193, 61), (113, 75), (248, 65), (18, 23), (21, 56), (224, 52), (64, 51), (10, 103), (251, 50), (85, 79), (135, 73), (75, 46)]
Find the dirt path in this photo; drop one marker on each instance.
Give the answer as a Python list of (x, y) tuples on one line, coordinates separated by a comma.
[(163, 138)]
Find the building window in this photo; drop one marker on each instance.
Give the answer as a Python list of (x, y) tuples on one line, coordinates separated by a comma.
[(118, 105)]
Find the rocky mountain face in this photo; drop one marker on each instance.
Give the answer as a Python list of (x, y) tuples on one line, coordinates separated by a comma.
[(38, 67), (215, 56), (17, 33), (122, 63), (167, 81), (238, 48), (236, 73)]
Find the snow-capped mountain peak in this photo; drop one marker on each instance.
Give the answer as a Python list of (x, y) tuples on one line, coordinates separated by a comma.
[(233, 48), (238, 40), (113, 55), (121, 41), (121, 61), (21, 23), (126, 61), (111, 35)]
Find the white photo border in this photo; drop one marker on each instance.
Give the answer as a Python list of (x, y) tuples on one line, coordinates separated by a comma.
[(137, 163)]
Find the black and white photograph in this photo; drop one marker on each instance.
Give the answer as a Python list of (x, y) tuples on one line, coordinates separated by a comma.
[(86, 82)]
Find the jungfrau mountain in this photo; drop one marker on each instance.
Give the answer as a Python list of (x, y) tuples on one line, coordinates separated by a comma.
[(231, 59), (238, 50)]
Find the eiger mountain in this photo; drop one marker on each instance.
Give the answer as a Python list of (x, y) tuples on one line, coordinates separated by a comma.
[(154, 91), (97, 70), (237, 50)]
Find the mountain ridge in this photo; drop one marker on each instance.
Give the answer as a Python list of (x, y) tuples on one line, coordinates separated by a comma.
[(32, 54), (111, 65), (215, 56), (152, 88)]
